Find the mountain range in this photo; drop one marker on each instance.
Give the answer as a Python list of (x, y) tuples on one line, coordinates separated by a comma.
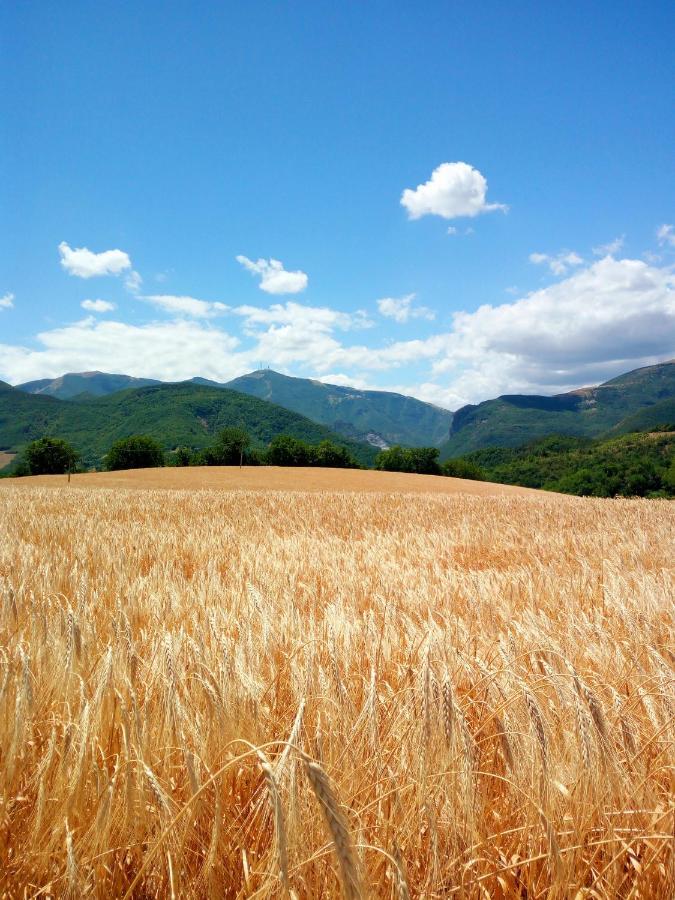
[(379, 418), (639, 399), (176, 415), (91, 409)]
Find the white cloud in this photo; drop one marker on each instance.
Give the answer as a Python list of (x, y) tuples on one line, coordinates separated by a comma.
[(296, 315), (133, 282), (99, 306), (613, 316), (401, 309), (665, 235), (170, 351), (652, 257), (603, 319), (343, 380), (7, 301), (452, 229), (85, 264), (186, 306), (558, 264), (610, 249), (454, 190), (274, 279)]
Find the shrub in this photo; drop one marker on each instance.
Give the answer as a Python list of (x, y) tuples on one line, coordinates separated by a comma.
[(136, 452)]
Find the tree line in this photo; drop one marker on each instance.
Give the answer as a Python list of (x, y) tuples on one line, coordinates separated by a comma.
[(232, 447), (634, 465)]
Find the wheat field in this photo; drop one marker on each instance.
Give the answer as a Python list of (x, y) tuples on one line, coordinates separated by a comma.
[(268, 694), (276, 478)]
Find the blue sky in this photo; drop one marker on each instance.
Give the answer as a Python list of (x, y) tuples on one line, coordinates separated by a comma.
[(436, 198)]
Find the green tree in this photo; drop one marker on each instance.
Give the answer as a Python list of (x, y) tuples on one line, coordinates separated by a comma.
[(668, 477), (420, 460), (233, 443), (641, 479), (182, 457), (424, 460), (462, 468), (395, 459), (333, 456), (136, 452), (285, 450), (50, 456), (230, 448)]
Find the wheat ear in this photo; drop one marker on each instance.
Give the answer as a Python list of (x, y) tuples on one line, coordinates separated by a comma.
[(337, 825)]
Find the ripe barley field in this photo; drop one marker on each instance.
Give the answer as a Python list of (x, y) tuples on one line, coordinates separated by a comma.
[(268, 694)]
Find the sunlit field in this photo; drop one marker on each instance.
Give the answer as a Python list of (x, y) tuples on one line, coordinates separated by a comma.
[(266, 478), (322, 694)]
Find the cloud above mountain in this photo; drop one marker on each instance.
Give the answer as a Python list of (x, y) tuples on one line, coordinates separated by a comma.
[(602, 319)]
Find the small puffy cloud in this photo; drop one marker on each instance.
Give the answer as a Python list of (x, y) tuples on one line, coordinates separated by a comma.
[(611, 248), (186, 306), (454, 190), (85, 264), (665, 235), (274, 279), (7, 301), (341, 379), (99, 306), (401, 309), (452, 229), (133, 282), (558, 264)]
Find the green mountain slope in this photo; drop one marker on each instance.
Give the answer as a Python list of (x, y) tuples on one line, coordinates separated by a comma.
[(655, 416), (514, 420), (636, 464), (182, 414), (96, 384), (379, 417)]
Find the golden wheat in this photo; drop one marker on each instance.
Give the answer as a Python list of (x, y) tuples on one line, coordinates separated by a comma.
[(211, 694)]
